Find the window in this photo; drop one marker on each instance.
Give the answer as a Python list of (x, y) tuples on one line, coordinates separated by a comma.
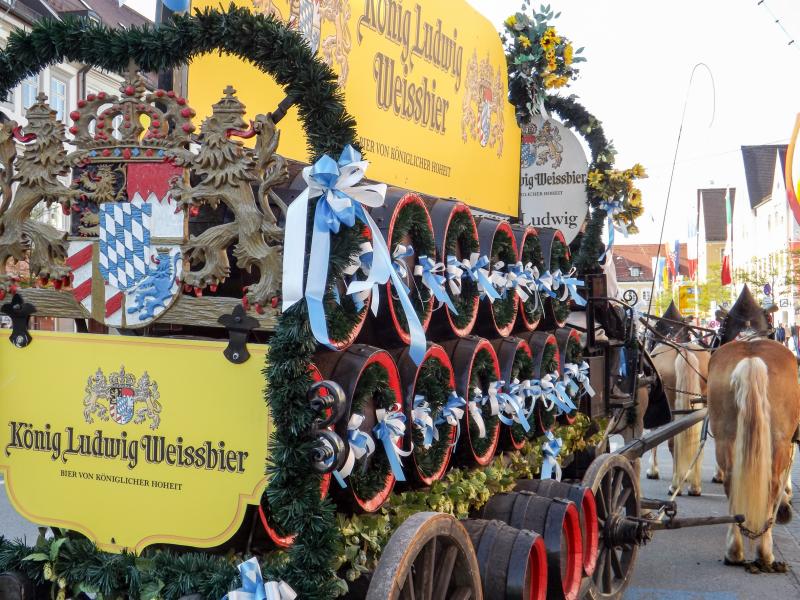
[(636, 272), (30, 89), (58, 97), (646, 295)]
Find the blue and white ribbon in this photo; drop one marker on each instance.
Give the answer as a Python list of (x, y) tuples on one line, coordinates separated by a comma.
[(433, 278), (361, 445), (544, 283), (454, 273), (452, 413), (612, 208), (554, 391), (550, 451), (421, 415), (560, 390), (512, 408), (499, 278), (518, 280), (476, 414), (529, 390), (475, 270), (254, 588), (390, 429), (568, 286), (340, 202), (623, 363), (364, 262), (490, 399), (579, 374)]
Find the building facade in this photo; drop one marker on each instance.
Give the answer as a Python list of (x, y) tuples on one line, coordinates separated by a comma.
[(635, 266)]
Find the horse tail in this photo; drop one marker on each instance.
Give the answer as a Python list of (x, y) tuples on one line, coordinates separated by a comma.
[(687, 388), (751, 474)]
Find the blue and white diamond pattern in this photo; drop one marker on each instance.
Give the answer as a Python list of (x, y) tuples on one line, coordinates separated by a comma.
[(124, 243)]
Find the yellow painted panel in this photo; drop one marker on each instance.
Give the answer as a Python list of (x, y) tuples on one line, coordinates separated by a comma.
[(425, 80), (132, 441)]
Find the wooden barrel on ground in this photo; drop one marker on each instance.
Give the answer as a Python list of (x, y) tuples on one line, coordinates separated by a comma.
[(498, 244), (432, 382), (475, 365), (546, 358), (583, 497), (512, 562), (456, 236), (371, 383), (516, 363), (403, 220), (529, 250), (570, 352), (556, 257), (556, 520), (273, 531)]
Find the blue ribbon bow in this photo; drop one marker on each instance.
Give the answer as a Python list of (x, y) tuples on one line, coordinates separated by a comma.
[(452, 413), (550, 450), (579, 374), (431, 273), (475, 270), (512, 408), (454, 272), (423, 420), (612, 208), (568, 285), (254, 588), (360, 445), (341, 202), (390, 429)]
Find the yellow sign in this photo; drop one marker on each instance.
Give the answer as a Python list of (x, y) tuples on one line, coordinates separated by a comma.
[(425, 80), (132, 441), (687, 298)]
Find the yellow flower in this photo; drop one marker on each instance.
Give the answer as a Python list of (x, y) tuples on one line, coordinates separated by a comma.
[(568, 55), (549, 39), (638, 171), (562, 81), (526, 43), (635, 197), (511, 21), (595, 179), (550, 80)]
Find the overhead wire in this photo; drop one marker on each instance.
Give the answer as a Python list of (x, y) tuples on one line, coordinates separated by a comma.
[(779, 24)]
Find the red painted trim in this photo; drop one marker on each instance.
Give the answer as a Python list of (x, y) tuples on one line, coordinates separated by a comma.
[(281, 542), (114, 304), (537, 568), (351, 337), (572, 533), (507, 329), (385, 360), (83, 290), (80, 258), (464, 331), (590, 526), (486, 458)]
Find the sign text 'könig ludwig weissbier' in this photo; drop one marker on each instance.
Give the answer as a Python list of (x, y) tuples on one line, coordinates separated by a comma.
[(132, 441)]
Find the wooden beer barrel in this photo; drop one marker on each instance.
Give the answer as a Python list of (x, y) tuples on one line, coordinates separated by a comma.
[(556, 520), (475, 366), (370, 380), (546, 359), (516, 362), (497, 242), (403, 219), (583, 497), (456, 235), (556, 256), (434, 380), (273, 531), (531, 311), (16, 586), (570, 351), (512, 562)]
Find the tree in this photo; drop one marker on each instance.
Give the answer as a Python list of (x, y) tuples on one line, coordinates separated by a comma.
[(712, 291), (773, 269)]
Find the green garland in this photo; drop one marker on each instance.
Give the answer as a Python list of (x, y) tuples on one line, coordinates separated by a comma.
[(482, 375), (559, 260), (459, 237), (433, 382), (523, 369), (412, 221), (548, 365), (532, 253), (271, 47), (369, 475), (503, 250)]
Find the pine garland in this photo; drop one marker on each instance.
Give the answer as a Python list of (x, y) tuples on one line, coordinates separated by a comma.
[(460, 237), (482, 375), (433, 382), (532, 253), (503, 250), (412, 221), (369, 475)]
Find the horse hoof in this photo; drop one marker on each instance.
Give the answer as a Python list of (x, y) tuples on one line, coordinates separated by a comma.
[(653, 476), (671, 490), (779, 567), (694, 492), (716, 479), (784, 514), (752, 567), (733, 563), (769, 567)]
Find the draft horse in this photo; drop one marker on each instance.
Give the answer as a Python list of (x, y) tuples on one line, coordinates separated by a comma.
[(754, 413)]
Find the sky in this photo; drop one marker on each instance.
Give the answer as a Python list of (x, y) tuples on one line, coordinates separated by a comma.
[(640, 56)]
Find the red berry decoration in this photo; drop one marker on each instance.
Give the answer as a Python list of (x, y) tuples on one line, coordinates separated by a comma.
[(159, 93), (213, 288), (274, 301), (129, 91), (81, 103), (259, 309), (106, 152), (171, 94), (188, 127), (101, 96), (73, 130), (186, 113), (194, 211), (126, 153), (91, 97), (75, 115), (181, 101), (100, 124), (198, 292)]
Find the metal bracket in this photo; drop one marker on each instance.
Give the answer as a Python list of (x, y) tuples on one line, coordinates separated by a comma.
[(238, 324), (327, 399), (20, 313)]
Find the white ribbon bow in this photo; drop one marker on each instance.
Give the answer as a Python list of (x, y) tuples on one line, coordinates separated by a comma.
[(580, 373), (361, 445), (254, 588)]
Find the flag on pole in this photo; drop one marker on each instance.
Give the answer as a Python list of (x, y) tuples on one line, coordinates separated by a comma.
[(676, 258), (726, 257), (691, 244)]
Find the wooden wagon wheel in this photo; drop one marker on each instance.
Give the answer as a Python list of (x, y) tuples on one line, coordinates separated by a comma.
[(616, 488), (429, 557)]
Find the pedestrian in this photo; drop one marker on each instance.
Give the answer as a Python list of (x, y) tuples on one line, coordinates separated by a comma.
[(794, 333), (780, 334)]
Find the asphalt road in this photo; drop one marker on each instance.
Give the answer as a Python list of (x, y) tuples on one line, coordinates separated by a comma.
[(686, 564), (13, 526)]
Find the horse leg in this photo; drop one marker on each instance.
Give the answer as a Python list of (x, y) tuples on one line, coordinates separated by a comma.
[(695, 481), (671, 444), (718, 477), (652, 471), (734, 554)]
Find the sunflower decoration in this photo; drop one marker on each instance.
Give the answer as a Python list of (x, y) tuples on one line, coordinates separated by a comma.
[(539, 59), (615, 189)]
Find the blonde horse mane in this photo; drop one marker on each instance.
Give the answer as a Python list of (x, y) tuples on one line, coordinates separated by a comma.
[(751, 473)]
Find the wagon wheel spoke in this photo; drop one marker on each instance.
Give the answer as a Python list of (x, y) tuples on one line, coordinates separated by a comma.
[(425, 573), (602, 506), (626, 494), (616, 564), (617, 490), (609, 499), (462, 593), (445, 572), (408, 587)]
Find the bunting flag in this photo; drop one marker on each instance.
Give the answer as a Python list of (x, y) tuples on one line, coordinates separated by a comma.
[(691, 244), (726, 257), (676, 258), (670, 256)]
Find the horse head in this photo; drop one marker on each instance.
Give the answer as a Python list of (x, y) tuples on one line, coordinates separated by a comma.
[(746, 319)]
